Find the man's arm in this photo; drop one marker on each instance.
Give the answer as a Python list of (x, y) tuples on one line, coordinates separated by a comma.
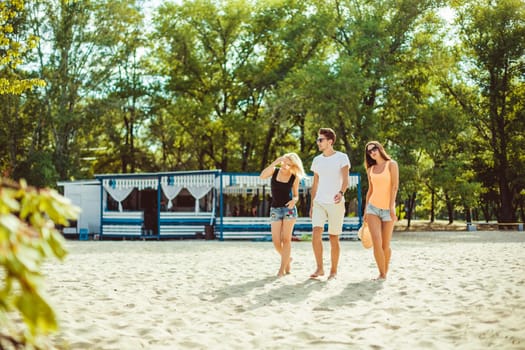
[(344, 186)]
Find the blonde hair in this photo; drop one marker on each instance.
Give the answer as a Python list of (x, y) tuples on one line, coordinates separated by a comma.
[(297, 165), (368, 160)]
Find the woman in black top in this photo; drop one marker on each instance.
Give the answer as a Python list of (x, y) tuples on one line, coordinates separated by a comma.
[(283, 213)]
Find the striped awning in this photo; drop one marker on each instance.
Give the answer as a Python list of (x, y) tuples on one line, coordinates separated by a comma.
[(243, 182), (139, 183), (202, 180)]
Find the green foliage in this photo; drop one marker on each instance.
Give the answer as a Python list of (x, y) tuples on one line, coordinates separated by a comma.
[(28, 236), (493, 48), (12, 48), (37, 169), (27, 216), (223, 62), (232, 84)]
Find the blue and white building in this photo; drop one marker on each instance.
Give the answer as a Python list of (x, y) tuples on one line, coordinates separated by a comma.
[(189, 204)]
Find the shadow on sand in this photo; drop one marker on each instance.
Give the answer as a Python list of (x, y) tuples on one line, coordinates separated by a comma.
[(237, 290), (358, 291), (295, 293)]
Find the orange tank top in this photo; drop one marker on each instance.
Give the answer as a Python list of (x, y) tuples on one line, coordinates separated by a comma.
[(381, 187)]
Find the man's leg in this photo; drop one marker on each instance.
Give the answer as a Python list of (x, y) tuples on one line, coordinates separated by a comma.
[(335, 252), (317, 245), (335, 226)]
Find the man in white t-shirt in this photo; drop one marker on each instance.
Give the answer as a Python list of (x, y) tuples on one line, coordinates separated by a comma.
[(331, 169)]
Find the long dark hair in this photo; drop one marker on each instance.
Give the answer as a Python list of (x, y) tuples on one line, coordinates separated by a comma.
[(368, 160)]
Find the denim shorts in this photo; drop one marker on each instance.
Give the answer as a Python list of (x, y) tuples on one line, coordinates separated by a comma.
[(283, 213), (384, 214)]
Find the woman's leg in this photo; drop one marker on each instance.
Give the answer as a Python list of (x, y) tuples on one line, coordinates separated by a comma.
[(375, 227), (277, 237), (286, 239), (386, 235)]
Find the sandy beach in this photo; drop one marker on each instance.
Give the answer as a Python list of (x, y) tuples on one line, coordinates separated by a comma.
[(445, 290)]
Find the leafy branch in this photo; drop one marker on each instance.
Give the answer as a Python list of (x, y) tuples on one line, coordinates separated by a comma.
[(28, 236)]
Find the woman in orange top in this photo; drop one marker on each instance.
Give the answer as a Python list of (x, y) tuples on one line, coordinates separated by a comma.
[(380, 214)]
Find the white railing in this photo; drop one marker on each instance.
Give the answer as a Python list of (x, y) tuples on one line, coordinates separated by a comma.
[(260, 227), (183, 215), (123, 215), (122, 230)]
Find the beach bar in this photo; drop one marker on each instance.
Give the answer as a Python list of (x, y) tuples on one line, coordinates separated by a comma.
[(158, 205), (190, 204)]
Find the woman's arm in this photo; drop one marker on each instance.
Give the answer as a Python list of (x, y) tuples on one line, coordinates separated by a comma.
[(368, 192), (394, 178), (313, 191), (295, 193), (268, 171), (370, 187)]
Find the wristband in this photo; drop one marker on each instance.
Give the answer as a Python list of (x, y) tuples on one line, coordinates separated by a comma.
[(342, 193)]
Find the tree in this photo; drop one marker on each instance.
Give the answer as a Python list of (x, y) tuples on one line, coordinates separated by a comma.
[(27, 232), (388, 50), (16, 126), (121, 105), (13, 47), (222, 60), (81, 48), (492, 40)]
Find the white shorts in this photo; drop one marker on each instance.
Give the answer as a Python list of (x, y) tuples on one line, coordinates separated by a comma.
[(331, 212)]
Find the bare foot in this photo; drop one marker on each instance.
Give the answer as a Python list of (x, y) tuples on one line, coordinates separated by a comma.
[(332, 276), (288, 267), (380, 278), (280, 274), (317, 273)]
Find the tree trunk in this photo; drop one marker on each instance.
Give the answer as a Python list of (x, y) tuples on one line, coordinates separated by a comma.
[(302, 142), (486, 211), (247, 150), (432, 204), (132, 158), (506, 214), (411, 203), (468, 217), (224, 156), (497, 112), (450, 208), (267, 143), (124, 151)]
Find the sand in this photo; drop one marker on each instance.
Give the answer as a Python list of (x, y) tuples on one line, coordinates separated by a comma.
[(445, 290)]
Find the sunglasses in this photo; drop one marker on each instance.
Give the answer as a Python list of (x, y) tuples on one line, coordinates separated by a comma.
[(373, 149), (320, 139)]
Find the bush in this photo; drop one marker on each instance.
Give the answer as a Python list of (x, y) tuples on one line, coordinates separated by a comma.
[(38, 169)]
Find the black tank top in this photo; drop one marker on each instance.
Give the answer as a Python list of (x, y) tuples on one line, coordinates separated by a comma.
[(281, 191)]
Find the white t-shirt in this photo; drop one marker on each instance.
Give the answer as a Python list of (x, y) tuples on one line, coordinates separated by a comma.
[(330, 179)]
